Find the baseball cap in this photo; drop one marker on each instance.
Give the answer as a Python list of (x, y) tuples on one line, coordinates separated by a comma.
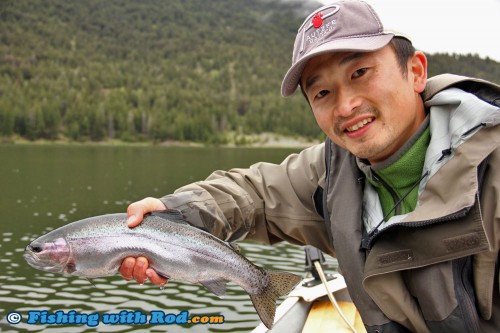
[(344, 26)]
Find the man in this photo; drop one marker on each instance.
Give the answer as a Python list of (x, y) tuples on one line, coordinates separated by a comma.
[(404, 192)]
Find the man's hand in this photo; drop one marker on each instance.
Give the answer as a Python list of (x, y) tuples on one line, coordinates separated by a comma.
[(138, 268), (137, 210)]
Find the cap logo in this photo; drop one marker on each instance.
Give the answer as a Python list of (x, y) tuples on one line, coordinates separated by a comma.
[(317, 21)]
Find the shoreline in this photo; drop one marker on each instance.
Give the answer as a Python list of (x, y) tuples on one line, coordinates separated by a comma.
[(263, 140)]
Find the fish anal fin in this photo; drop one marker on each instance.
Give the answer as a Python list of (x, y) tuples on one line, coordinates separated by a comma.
[(280, 284), (217, 287)]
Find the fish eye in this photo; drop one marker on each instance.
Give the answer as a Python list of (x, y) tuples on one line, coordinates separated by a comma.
[(36, 248)]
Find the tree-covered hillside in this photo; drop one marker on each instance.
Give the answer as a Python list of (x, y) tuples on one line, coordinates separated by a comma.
[(156, 69)]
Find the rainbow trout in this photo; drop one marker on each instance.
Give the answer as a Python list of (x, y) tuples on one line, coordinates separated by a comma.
[(96, 246)]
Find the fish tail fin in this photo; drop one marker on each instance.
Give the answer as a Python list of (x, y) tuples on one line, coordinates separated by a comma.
[(280, 284)]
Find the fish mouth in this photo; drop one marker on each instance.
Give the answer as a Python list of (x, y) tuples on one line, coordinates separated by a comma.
[(51, 256)]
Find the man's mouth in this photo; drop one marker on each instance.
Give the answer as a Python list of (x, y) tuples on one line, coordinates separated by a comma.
[(359, 125)]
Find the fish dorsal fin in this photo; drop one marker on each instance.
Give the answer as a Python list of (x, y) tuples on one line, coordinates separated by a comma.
[(171, 215), (217, 287)]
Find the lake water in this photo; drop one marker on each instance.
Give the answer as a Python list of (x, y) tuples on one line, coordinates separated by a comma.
[(46, 186)]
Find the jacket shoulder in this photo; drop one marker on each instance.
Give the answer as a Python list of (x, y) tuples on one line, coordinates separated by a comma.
[(487, 91)]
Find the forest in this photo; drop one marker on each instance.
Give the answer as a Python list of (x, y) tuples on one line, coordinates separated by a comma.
[(156, 70)]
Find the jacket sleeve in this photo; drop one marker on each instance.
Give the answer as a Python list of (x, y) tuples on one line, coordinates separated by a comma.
[(266, 202)]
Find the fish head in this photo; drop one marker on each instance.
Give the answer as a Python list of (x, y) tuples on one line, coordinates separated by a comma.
[(51, 255)]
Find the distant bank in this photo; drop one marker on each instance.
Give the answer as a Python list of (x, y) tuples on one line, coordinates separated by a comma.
[(262, 140)]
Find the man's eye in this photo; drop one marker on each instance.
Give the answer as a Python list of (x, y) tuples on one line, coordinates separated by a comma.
[(322, 93), (360, 72)]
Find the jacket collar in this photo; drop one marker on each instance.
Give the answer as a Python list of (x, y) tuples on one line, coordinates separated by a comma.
[(456, 120)]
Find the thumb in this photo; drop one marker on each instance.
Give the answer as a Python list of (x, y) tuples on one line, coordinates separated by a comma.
[(137, 210)]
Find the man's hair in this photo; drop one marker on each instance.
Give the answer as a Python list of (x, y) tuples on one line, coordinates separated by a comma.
[(403, 49)]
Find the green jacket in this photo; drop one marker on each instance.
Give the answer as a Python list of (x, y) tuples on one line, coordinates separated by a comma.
[(432, 270)]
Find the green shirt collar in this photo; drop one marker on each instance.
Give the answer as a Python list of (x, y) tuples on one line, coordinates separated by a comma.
[(397, 174)]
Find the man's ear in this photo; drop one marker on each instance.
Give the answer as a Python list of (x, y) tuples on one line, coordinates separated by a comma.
[(417, 65)]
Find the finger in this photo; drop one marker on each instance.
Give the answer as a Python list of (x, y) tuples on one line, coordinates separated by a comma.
[(155, 278), (134, 220), (127, 268), (141, 265), (135, 213)]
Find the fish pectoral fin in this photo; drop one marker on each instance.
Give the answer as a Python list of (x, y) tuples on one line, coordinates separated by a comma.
[(217, 287), (163, 275)]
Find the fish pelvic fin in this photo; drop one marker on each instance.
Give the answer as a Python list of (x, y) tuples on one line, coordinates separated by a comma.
[(280, 284), (218, 287)]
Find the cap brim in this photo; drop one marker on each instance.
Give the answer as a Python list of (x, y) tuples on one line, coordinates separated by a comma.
[(358, 44)]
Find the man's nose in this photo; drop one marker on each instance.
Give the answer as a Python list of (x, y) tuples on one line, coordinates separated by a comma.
[(347, 102)]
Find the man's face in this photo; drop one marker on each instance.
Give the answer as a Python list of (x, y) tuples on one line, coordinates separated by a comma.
[(363, 102)]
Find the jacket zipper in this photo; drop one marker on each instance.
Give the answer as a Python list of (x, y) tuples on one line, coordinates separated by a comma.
[(392, 192), (465, 294), (369, 239)]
